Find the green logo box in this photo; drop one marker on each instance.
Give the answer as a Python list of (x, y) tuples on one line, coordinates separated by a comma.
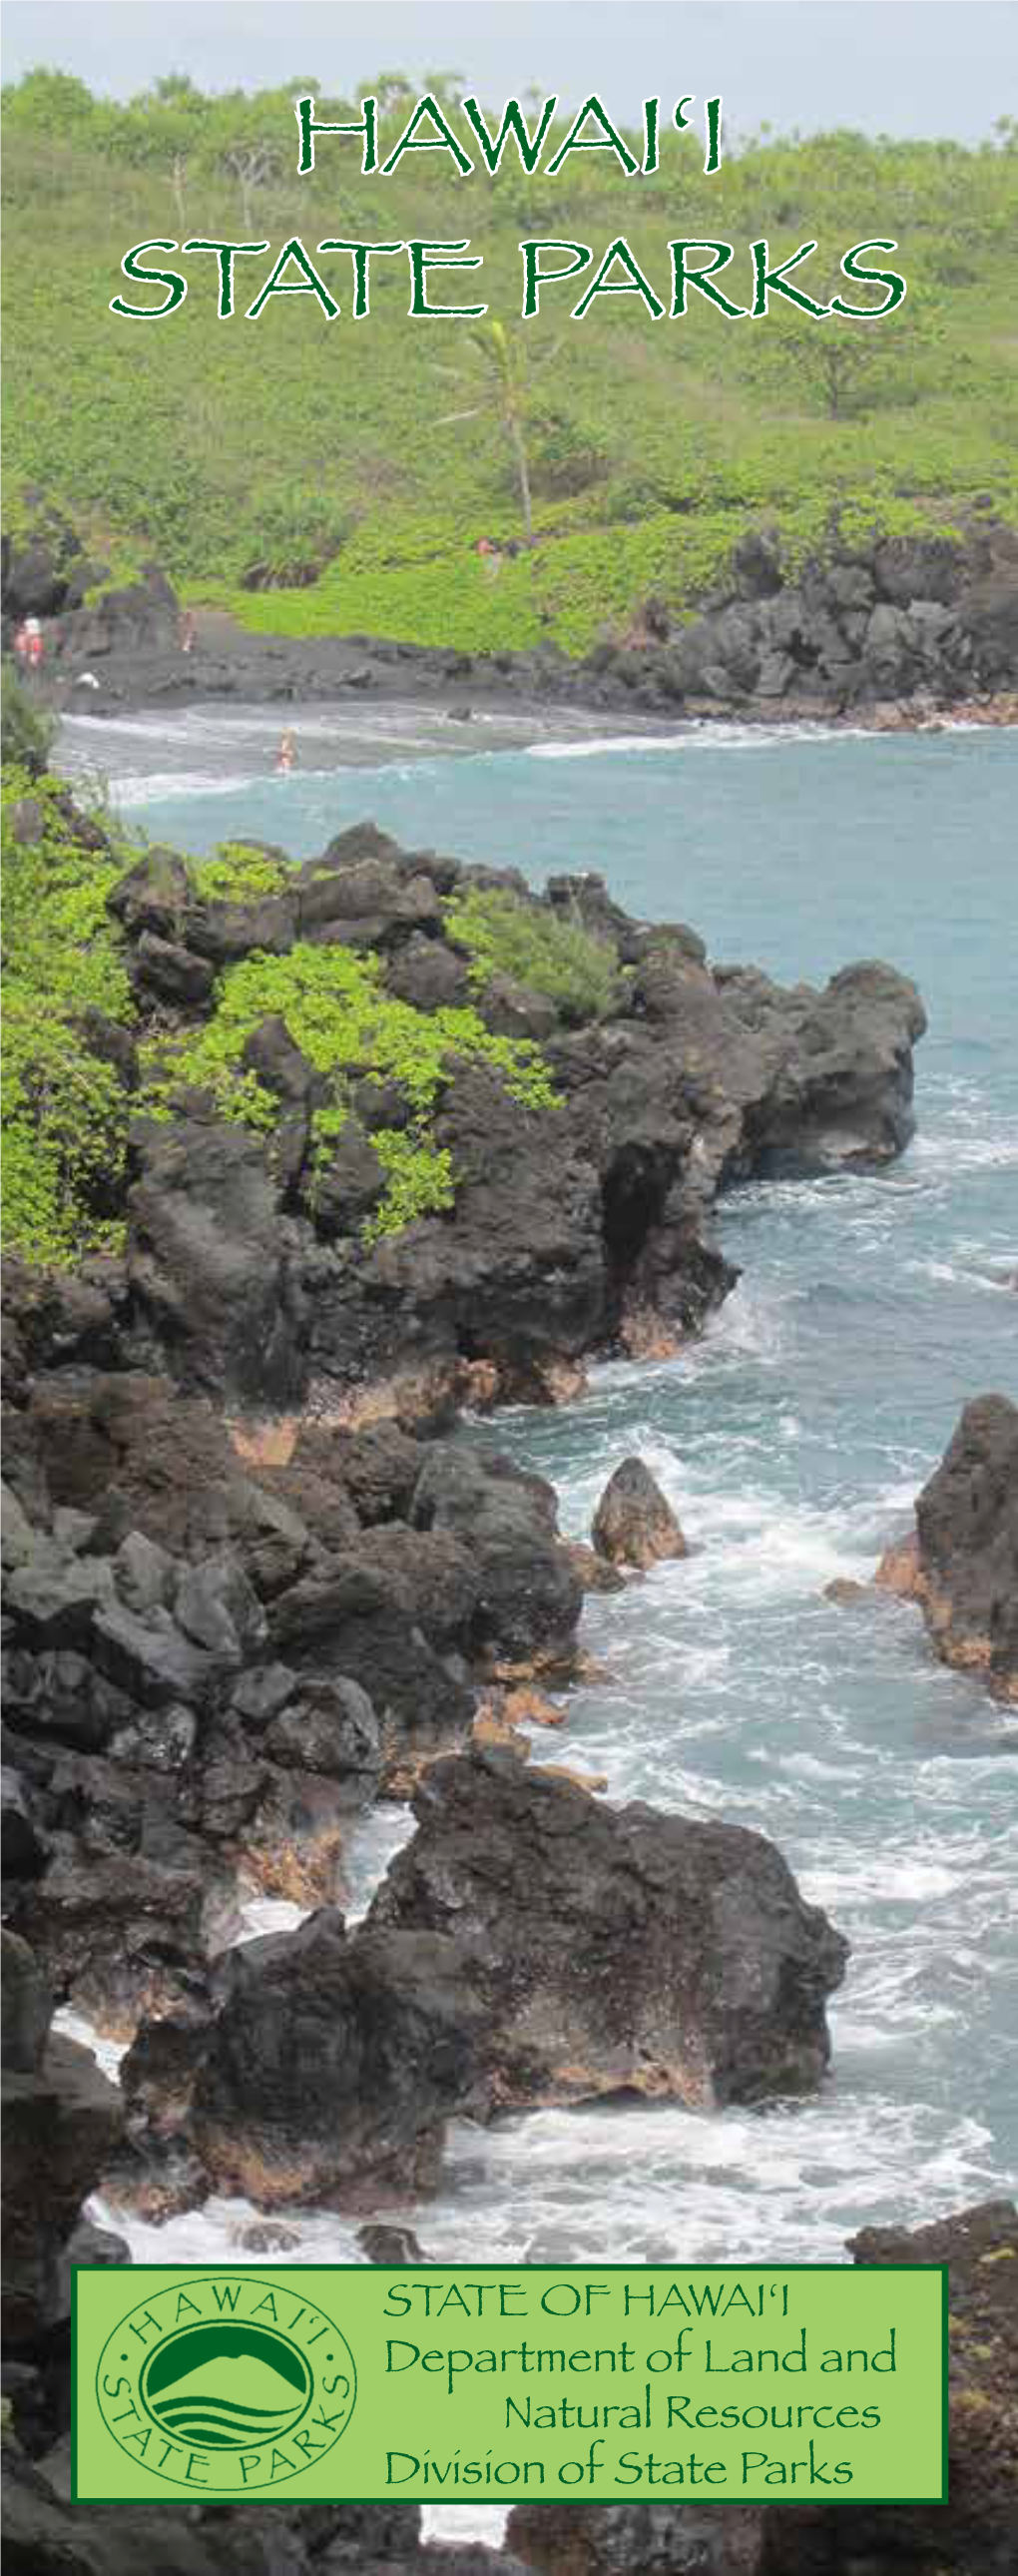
[(470, 2384)]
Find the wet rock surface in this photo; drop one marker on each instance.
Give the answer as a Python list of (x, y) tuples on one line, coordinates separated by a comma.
[(334, 2064), (961, 1565), (617, 1949), (634, 1525), (529, 1946)]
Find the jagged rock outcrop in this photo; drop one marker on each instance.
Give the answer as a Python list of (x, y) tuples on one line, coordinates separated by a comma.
[(212, 1664), (268, 1266), (617, 1949), (334, 2064), (318, 2065), (529, 1946), (961, 1565), (254, 1270), (634, 1524), (923, 617)]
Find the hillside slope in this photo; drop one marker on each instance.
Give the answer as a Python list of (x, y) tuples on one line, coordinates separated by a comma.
[(310, 474)]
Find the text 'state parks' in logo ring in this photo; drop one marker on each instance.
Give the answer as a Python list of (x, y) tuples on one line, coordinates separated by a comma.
[(226, 2384)]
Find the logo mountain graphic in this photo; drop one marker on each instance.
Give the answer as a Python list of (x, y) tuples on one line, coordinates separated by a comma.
[(233, 2401)]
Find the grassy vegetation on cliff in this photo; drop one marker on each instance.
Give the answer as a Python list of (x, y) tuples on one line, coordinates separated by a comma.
[(503, 936), (64, 1109), (306, 474), (347, 1026), (67, 991), (238, 871)]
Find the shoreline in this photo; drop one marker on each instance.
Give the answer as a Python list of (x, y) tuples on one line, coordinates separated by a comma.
[(228, 664)]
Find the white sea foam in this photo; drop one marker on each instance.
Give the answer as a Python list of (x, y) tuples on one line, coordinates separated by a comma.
[(965, 1153), (107, 2052), (132, 793), (262, 1915), (608, 743), (141, 728), (706, 735), (639, 2183), (899, 1881), (463, 2522)]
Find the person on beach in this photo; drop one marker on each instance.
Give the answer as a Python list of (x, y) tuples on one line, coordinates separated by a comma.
[(187, 631), (285, 754), (36, 647)]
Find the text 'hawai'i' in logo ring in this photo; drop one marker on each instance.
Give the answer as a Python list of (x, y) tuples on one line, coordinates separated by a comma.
[(227, 2384)]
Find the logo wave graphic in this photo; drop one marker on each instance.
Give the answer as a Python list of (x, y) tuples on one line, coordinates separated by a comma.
[(233, 2400), (221, 2422)]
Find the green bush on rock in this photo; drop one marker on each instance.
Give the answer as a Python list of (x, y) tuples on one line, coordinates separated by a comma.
[(421, 1181), (239, 871), (504, 936), (338, 1013)]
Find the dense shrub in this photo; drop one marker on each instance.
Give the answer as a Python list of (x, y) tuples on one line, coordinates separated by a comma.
[(504, 936), (64, 1110), (238, 871)]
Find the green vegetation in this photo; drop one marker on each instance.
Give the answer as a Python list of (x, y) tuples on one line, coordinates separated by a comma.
[(349, 1028), (502, 383), (420, 1180), (504, 936), (64, 1110), (27, 730), (296, 471), (239, 871)]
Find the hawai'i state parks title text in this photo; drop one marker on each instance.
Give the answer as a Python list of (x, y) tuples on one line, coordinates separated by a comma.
[(759, 277)]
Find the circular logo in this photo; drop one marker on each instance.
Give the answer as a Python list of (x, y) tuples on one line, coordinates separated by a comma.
[(226, 2383)]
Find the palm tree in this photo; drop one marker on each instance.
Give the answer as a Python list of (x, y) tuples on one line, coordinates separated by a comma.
[(505, 389)]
